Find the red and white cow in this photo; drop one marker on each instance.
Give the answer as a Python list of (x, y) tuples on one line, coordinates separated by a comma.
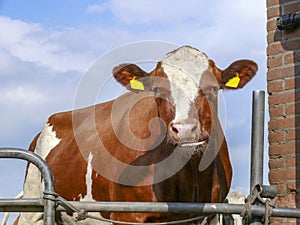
[(146, 145)]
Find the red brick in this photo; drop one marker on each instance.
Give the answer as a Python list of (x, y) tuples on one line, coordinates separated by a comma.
[(290, 161), (281, 189), (293, 109), (291, 187), (281, 72), (282, 175), (292, 83), (291, 8), (287, 201), (275, 61), (291, 221), (275, 86), (289, 58), (279, 221), (282, 149), (292, 134), (275, 48), (282, 98), (276, 163), (276, 112), (282, 123), (273, 12), (276, 137), (290, 109), (271, 25), (272, 3), (273, 36)]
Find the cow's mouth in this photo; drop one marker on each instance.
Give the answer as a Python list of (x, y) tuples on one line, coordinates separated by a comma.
[(192, 149), (193, 144)]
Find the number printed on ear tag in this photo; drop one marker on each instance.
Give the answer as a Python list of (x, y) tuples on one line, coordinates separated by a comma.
[(233, 82), (136, 85)]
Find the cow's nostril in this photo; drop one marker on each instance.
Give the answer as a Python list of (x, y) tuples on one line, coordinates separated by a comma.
[(194, 129), (175, 130)]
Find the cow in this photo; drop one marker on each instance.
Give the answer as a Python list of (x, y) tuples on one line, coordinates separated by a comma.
[(161, 141)]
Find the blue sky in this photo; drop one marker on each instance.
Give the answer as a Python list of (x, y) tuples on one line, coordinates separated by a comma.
[(46, 47)]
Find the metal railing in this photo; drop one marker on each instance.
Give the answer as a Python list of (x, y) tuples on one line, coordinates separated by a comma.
[(48, 205)]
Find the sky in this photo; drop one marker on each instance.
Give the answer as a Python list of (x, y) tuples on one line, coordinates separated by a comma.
[(47, 48)]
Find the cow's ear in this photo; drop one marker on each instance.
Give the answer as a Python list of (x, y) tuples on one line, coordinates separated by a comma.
[(238, 74), (131, 76)]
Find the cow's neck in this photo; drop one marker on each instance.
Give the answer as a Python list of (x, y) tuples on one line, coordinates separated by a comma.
[(179, 186)]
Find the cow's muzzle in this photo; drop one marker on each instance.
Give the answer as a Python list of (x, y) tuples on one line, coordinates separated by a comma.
[(185, 132)]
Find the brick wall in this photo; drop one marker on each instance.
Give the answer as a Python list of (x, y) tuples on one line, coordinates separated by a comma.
[(283, 78)]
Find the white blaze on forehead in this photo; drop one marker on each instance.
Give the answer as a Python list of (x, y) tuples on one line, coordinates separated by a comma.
[(184, 68)]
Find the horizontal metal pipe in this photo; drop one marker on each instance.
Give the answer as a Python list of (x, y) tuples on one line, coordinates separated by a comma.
[(267, 191), (13, 205), (163, 207), (21, 205)]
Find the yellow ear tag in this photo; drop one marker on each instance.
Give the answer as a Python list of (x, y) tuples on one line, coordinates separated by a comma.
[(233, 82), (136, 85)]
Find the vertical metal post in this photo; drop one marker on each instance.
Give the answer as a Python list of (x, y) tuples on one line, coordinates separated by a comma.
[(257, 138), (257, 143), (49, 208)]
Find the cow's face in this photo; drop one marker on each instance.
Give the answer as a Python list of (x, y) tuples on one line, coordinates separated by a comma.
[(185, 85)]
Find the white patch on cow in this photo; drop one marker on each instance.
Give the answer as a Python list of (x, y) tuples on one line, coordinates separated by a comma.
[(33, 186), (47, 141), (71, 220), (89, 180), (184, 68), (235, 198)]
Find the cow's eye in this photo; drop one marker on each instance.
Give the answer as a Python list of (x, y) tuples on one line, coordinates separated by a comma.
[(215, 88), (155, 89), (211, 92)]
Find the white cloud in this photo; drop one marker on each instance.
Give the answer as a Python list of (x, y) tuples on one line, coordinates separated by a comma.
[(13, 31), (5, 61), (96, 8), (20, 94), (221, 15), (32, 43), (217, 29), (169, 11)]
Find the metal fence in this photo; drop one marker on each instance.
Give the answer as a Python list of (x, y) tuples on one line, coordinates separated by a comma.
[(256, 206)]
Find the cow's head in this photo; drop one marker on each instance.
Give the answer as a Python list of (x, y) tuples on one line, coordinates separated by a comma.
[(185, 86)]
